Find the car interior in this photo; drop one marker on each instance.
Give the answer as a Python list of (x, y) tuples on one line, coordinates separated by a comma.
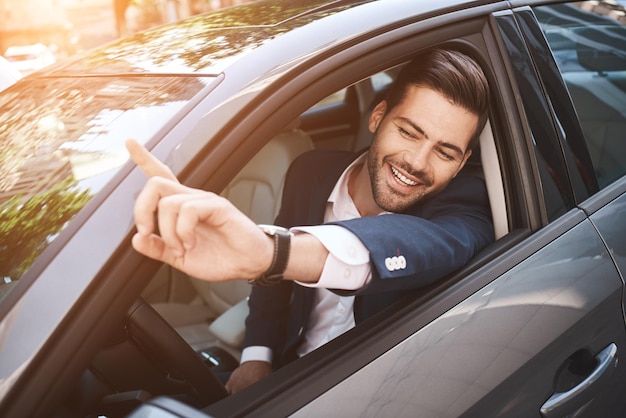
[(210, 316)]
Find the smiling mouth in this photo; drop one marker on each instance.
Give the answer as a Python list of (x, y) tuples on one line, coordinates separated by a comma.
[(402, 178)]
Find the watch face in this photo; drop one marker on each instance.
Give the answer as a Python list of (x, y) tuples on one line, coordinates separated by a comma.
[(273, 229)]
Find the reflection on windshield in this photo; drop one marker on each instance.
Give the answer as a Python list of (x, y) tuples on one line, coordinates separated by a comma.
[(202, 44), (61, 141), (27, 226)]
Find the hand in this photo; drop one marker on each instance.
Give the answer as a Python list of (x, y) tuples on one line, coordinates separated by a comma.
[(200, 233), (248, 373), (198, 250), (148, 163)]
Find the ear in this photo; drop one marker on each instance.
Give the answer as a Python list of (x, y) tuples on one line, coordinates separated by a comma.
[(468, 154), (377, 115)]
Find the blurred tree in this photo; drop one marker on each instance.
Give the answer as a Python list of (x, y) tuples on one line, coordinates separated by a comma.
[(25, 227)]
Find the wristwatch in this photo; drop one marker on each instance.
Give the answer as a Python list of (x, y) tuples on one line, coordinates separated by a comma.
[(282, 246)]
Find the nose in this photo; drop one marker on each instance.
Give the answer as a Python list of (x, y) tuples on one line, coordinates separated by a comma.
[(418, 157)]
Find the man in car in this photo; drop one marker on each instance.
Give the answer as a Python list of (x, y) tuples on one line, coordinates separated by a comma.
[(386, 221)]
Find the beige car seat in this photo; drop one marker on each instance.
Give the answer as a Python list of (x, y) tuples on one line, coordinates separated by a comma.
[(216, 316)]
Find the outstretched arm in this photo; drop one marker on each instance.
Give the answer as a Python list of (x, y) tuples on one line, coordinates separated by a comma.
[(415, 249), (205, 235)]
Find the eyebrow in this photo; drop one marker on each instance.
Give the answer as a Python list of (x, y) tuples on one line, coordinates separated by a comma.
[(448, 145)]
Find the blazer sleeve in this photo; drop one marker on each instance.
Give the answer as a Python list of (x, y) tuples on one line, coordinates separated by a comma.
[(267, 321), (428, 242)]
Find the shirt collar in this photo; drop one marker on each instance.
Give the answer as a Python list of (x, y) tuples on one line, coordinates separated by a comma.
[(340, 203)]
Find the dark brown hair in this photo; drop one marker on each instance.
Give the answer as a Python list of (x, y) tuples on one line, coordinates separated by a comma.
[(451, 73)]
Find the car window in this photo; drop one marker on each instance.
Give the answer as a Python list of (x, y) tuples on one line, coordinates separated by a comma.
[(334, 98), (58, 150), (588, 40), (379, 82)]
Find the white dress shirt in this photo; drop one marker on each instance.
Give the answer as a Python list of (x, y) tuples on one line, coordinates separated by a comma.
[(347, 267)]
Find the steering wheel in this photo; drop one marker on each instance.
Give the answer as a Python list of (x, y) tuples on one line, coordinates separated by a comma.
[(143, 359), (155, 336)]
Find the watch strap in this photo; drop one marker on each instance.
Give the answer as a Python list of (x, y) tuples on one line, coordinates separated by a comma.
[(282, 248)]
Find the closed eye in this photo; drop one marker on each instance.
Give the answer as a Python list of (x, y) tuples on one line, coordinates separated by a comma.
[(405, 133), (445, 155), (414, 132)]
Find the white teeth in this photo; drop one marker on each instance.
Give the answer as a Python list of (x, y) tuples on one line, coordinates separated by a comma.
[(402, 178)]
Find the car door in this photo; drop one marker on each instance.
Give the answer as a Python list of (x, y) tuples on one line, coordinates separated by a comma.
[(589, 44), (537, 329)]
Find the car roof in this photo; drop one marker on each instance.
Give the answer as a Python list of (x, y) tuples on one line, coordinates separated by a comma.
[(207, 44)]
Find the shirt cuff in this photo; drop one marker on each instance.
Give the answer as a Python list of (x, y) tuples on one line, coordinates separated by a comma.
[(256, 353), (347, 266)]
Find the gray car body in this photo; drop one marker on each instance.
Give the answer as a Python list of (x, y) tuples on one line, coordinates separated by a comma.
[(491, 344)]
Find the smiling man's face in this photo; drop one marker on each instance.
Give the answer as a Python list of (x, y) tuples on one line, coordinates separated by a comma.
[(419, 146)]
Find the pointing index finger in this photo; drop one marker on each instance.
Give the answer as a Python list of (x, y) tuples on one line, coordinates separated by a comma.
[(149, 164)]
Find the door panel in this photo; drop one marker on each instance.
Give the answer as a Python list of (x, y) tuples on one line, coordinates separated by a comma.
[(609, 220), (610, 223), (500, 352)]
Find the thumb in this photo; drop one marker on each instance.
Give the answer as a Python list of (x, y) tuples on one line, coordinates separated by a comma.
[(151, 246)]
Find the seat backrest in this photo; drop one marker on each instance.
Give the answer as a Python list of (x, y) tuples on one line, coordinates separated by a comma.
[(257, 191)]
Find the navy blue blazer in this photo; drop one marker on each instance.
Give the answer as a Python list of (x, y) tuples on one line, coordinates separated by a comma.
[(436, 237)]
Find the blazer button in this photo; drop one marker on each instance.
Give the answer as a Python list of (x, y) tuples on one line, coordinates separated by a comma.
[(395, 263)]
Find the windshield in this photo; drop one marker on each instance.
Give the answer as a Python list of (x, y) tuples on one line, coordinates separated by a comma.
[(61, 141)]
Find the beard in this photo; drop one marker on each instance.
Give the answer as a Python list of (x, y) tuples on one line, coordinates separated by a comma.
[(389, 198)]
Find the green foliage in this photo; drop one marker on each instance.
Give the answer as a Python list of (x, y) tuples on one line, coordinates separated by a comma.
[(27, 227)]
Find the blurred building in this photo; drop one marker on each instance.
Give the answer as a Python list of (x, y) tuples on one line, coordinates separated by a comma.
[(28, 22), (70, 25)]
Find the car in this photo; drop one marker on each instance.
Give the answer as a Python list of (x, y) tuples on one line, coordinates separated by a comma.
[(533, 325), (29, 58), (8, 74)]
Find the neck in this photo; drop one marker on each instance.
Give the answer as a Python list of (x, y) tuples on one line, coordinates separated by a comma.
[(360, 189)]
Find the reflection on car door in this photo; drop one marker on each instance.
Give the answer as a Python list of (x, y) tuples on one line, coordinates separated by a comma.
[(508, 348)]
